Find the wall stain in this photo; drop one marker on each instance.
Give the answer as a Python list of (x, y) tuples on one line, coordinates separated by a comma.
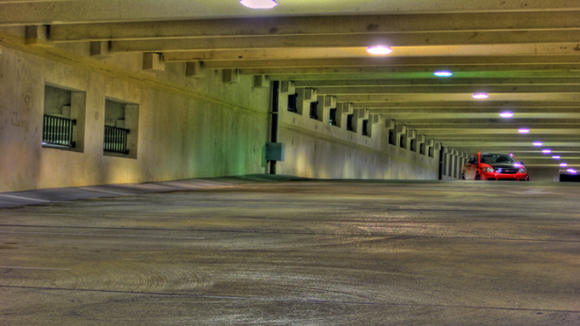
[(20, 123), (373, 27)]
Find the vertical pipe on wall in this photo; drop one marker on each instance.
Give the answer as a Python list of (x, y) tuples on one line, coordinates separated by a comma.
[(274, 122)]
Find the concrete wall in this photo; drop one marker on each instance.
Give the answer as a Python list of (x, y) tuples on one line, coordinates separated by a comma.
[(316, 149), (182, 127), (187, 127), (544, 174)]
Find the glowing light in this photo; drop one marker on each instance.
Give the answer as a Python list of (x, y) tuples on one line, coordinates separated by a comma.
[(480, 96), (379, 50), (538, 143), (556, 157), (511, 154), (523, 130), (563, 165), (517, 165), (572, 171), (443, 73), (506, 114), (546, 151), (259, 4)]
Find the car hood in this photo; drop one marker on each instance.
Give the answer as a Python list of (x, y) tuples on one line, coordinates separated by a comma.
[(504, 166)]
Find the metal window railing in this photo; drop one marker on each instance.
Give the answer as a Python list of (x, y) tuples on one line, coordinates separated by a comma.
[(58, 131), (116, 140)]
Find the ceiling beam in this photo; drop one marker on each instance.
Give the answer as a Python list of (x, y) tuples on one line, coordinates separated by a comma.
[(438, 81), (377, 90), (462, 97), (319, 25), (347, 40)]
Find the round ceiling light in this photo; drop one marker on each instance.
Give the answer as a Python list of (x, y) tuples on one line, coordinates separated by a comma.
[(443, 73), (538, 143), (572, 171), (506, 114), (379, 50), (480, 96), (546, 151), (523, 130), (259, 4), (563, 165), (556, 157)]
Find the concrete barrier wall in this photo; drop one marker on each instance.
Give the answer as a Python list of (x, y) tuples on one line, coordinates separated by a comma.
[(316, 149), (188, 128)]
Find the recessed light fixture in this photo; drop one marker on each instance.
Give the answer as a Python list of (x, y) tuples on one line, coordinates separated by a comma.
[(259, 4), (443, 73), (556, 157), (506, 114), (546, 151), (480, 96), (563, 164), (523, 130), (572, 171), (538, 143), (379, 50)]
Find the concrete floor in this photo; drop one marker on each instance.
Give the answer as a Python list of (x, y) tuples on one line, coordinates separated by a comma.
[(301, 252)]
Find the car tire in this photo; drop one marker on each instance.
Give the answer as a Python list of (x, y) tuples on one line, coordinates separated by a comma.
[(462, 176), (477, 176), (528, 178)]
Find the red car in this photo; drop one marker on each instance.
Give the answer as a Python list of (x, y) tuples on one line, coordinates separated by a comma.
[(487, 166)]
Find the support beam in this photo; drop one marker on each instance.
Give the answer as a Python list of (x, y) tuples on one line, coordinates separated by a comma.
[(36, 35), (99, 49), (342, 110), (194, 69), (153, 62)]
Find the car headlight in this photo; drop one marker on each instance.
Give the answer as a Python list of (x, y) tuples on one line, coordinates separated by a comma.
[(522, 170), (488, 169)]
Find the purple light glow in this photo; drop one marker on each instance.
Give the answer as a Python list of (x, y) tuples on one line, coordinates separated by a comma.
[(572, 171), (480, 96), (556, 157), (563, 165), (523, 130), (443, 73), (506, 114), (546, 151), (259, 4), (538, 143), (379, 50)]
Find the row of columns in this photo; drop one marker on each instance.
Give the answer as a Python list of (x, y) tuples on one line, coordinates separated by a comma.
[(453, 162), (403, 137)]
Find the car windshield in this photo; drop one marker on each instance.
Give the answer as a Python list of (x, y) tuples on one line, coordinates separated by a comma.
[(497, 158)]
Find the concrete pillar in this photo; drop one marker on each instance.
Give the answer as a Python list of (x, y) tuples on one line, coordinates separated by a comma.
[(455, 166), (429, 143), (36, 35), (231, 76), (261, 81), (400, 130), (287, 87), (100, 49), (342, 110), (419, 142), (153, 62), (305, 96), (391, 134), (445, 158), (325, 103), (359, 116), (410, 136), (194, 69)]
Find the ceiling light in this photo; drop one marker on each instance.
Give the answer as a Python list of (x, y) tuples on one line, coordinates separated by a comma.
[(259, 4), (556, 157), (572, 171), (506, 114), (523, 130), (563, 165), (538, 143), (443, 73), (379, 50), (546, 151), (480, 96)]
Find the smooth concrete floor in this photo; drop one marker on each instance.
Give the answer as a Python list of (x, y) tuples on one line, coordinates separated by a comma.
[(298, 253)]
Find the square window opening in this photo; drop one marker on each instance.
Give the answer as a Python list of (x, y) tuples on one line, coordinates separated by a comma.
[(293, 103), (332, 118), (314, 110), (349, 120), (121, 129), (63, 124)]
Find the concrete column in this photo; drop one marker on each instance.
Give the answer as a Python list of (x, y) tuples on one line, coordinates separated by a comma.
[(100, 49), (325, 103), (36, 35), (342, 110), (455, 165), (420, 143), (411, 134), (400, 130), (445, 155), (428, 144), (305, 96), (231, 76), (359, 116), (391, 131), (194, 69), (154, 62), (261, 81)]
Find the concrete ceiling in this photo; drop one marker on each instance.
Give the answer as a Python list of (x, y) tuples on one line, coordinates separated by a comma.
[(524, 53)]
